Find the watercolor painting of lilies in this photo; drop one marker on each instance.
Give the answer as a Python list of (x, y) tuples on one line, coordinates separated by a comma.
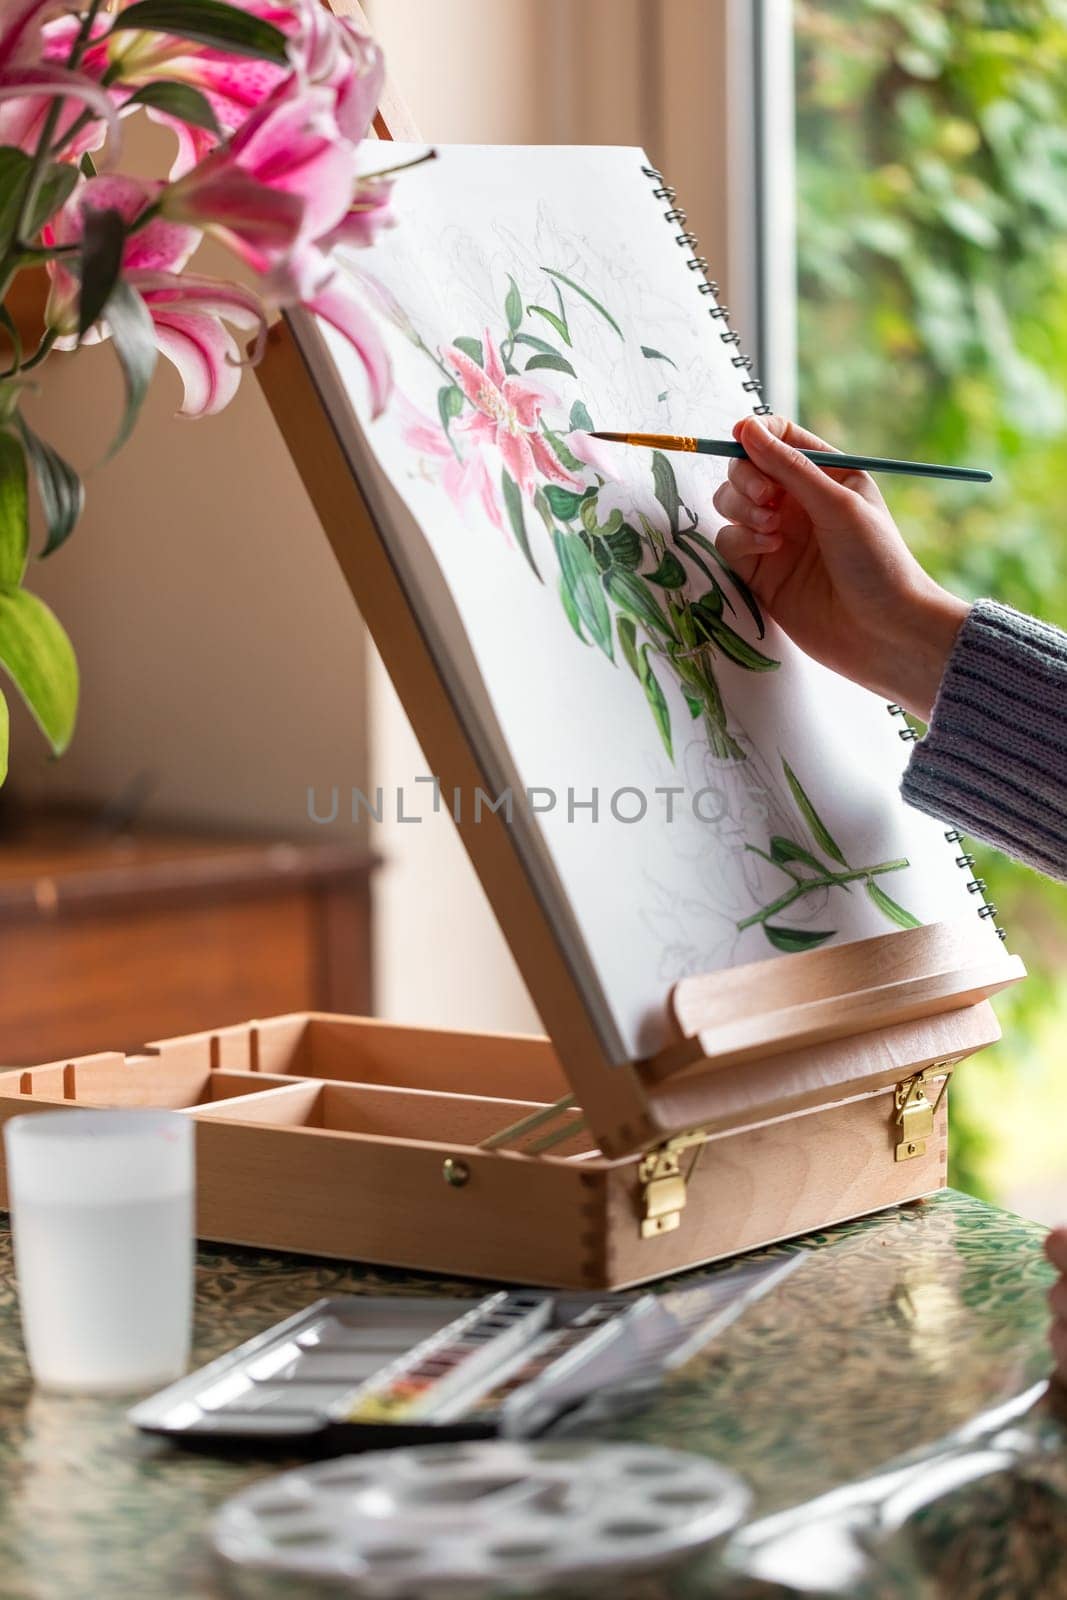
[(655, 594), (686, 790)]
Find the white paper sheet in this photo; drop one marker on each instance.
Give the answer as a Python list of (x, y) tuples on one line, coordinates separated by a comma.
[(559, 265)]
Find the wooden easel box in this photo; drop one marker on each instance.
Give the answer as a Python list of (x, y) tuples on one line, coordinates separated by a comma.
[(345, 1136)]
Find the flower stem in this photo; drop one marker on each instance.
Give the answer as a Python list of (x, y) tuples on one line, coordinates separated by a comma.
[(829, 881), (402, 166), (48, 339)]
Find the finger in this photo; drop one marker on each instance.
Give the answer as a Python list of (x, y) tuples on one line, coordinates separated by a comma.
[(1056, 1248), (791, 433), (788, 431), (1057, 1299), (826, 502), (738, 544), (748, 481), (737, 507)]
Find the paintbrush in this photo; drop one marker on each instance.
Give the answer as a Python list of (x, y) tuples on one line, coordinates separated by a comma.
[(822, 458)]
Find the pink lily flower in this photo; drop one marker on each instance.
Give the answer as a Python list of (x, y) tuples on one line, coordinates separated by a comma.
[(283, 180), (609, 460), (507, 410), (463, 479), (33, 56), (324, 50), (187, 311)]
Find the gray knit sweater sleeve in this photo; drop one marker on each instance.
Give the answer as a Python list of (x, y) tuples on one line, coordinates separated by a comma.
[(994, 759)]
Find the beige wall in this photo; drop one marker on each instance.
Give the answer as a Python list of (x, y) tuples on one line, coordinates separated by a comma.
[(220, 650)]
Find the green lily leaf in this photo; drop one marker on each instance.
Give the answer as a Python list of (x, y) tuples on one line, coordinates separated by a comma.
[(627, 632), (179, 100), (593, 301), (56, 186), (449, 403), (784, 850), (656, 700), (793, 940), (101, 261), (670, 574), (532, 342), (513, 305), (657, 355), (39, 658), (554, 321), (580, 417), (564, 502), (582, 579), (209, 22), (734, 647), (748, 598), (513, 503), (570, 606), (818, 829), (14, 511), (693, 701), (625, 545), (58, 485), (470, 347), (14, 170), (135, 346), (553, 363), (665, 487), (889, 907), (631, 593)]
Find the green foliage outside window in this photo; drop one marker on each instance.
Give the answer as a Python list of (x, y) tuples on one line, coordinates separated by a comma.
[(932, 153)]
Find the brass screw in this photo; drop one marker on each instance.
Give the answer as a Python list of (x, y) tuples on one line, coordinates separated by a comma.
[(455, 1173)]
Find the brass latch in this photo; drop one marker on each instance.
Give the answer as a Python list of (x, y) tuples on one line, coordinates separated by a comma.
[(664, 1183), (914, 1118)]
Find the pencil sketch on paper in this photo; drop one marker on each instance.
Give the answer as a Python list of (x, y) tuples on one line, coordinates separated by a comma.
[(500, 423)]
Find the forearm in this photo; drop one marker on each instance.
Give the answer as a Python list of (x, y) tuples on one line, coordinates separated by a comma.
[(994, 759)]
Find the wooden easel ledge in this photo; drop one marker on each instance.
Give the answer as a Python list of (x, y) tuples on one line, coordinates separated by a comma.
[(769, 1007)]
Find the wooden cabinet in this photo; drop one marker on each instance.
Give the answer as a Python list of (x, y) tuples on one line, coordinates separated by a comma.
[(108, 941)]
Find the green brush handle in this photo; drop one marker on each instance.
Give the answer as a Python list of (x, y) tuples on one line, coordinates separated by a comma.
[(833, 458)]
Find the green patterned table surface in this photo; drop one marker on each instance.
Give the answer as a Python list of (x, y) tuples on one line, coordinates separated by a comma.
[(894, 1332)]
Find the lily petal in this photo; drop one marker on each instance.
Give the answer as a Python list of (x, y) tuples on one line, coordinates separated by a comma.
[(207, 359), (475, 383), (21, 31), (525, 399), (494, 367), (607, 459), (515, 448), (359, 328), (163, 291), (549, 464), (21, 83)]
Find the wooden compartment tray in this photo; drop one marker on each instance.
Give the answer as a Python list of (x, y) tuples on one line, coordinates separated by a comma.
[(354, 1138)]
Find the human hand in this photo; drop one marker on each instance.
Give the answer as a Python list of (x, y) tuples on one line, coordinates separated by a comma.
[(1056, 1250), (821, 553)]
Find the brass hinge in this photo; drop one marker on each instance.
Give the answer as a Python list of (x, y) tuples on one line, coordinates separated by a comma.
[(913, 1121), (664, 1184)]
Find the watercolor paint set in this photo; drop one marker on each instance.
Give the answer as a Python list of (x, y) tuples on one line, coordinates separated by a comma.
[(354, 1371)]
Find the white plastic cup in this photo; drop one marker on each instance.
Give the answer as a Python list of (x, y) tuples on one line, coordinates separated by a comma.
[(102, 1209)]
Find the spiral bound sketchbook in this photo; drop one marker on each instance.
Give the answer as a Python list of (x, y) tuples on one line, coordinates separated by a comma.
[(686, 790)]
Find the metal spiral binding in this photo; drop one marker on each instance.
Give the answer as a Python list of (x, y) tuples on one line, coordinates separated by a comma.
[(965, 860), (698, 263)]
